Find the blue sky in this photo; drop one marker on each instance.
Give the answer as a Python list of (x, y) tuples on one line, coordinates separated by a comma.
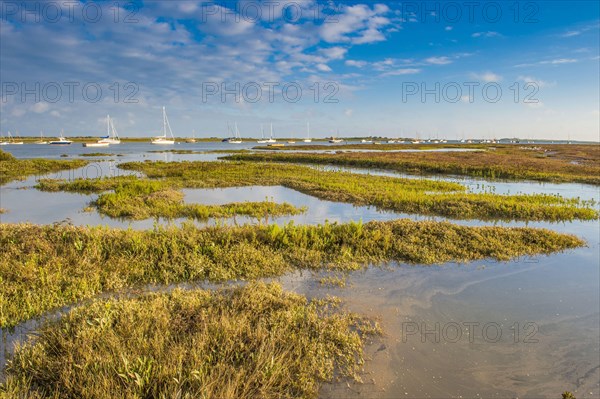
[(433, 69)]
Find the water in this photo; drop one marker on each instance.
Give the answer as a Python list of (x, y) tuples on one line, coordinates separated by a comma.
[(547, 308)]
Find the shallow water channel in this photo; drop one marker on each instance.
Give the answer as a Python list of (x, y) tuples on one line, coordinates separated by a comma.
[(526, 328)]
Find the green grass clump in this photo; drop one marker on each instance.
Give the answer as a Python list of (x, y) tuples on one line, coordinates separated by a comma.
[(131, 203), (45, 267), (139, 199), (97, 154), (251, 342), (416, 196), (12, 168)]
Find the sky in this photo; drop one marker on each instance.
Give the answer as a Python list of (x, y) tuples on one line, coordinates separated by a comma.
[(447, 69)]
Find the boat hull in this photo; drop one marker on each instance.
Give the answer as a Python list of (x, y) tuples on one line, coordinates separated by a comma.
[(109, 141), (163, 142), (95, 144)]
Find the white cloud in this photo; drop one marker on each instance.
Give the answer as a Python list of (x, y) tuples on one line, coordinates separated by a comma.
[(323, 68), (370, 35), (334, 53), (486, 34), (18, 112), (349, 112), (358, 24), (438, 60), (487, 77), (40, 107), (580, 30), (560, 61), (355, 63), (557, 61), (538, 82), (402, 71)]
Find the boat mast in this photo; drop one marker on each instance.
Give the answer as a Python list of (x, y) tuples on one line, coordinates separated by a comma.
[(164, 123), (308, 130), (115, 135)]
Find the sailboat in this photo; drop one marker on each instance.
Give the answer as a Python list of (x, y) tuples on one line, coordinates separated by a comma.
[(101, 142), (2, 142), (307, 139), (193, 139), (271, 139), (112, 137), (262, 136), (336, 139), (41, 140), (163, 140), (12, 141), (237, 139), (61, 140)]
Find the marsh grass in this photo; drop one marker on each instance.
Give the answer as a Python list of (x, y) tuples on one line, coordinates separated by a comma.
[(556, 163), (97, 154), (139, 200), (243, 343), (334, 281), (12, 168), (416, 196), (46, 267)]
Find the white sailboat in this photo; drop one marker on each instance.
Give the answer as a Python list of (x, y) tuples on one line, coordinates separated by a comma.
[(41, 140), (193, 139), (103, 142), (12, 141), (112, 137), (163, 140), (2, 142), (336, 140), (307, 139), (61, 140), (262, 136), (237, 139), (271, 139)]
